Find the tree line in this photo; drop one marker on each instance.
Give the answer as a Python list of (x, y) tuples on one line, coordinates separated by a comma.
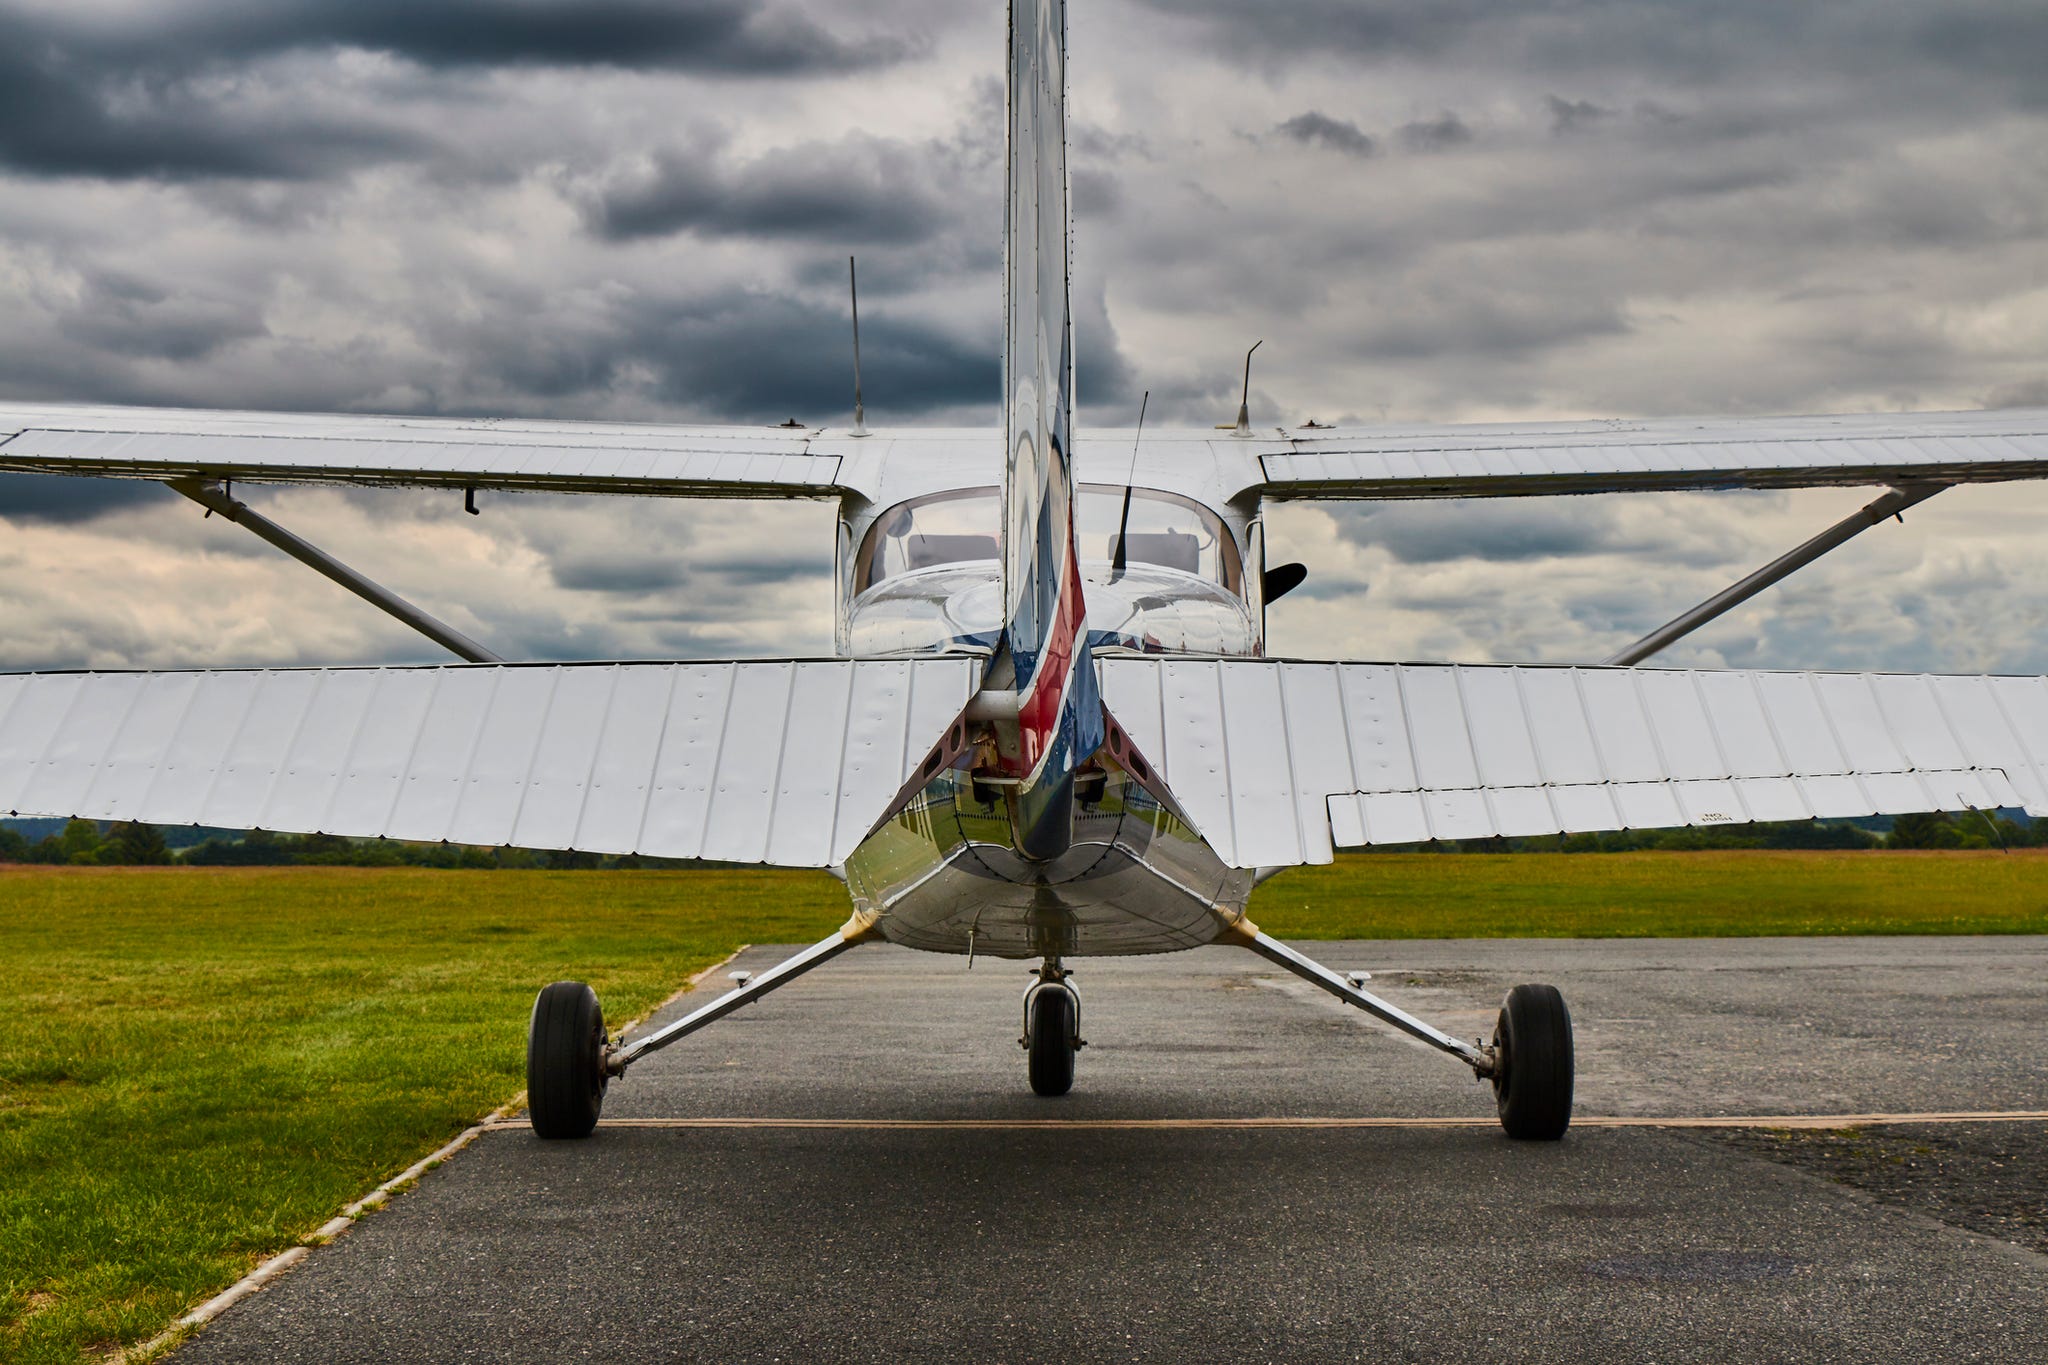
[(1974, 830), (87, 843)]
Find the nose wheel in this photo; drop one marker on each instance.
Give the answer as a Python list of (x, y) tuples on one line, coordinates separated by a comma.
[(1052, 1030)]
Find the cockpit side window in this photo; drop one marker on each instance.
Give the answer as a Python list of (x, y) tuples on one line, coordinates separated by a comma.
[(1167, 549), (1166, 531), (927, 552), (929, 533)]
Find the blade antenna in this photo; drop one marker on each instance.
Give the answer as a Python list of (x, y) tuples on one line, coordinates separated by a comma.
[(1123, 526), (860, 411), (1244, 407)]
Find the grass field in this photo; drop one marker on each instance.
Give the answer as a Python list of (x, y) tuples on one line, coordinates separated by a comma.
[(1658, 895), (197, 1067)]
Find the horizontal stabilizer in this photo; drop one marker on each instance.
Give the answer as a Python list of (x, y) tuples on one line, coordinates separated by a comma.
[(784, 762), (1280, 763)]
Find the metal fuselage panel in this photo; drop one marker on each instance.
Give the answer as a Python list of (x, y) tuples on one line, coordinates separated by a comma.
[(943, 877)]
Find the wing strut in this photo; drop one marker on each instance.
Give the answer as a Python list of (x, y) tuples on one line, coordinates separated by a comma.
[(1836, 536), (858, 930), (214, 499), (1245, 934)]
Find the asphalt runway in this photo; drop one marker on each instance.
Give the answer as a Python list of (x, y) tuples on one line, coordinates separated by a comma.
[(964, 1243)]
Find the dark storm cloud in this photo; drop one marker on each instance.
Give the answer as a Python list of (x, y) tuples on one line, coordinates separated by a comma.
[(1315, 129), (1300, 27), (1572, 116), (861, 191), (630, 575), (1438, 134), (2004, 42), (762, 359), (710, 37), (126, 316), (748, 357), (629, 572), (179, 93), (1973, 39), (1435, 533), (1482, 321), (66, 501), (63, 114)]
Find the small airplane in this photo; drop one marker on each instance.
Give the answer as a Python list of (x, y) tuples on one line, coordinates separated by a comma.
[(1052, 731)]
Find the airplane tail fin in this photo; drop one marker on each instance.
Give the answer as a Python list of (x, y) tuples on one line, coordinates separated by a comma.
[(1045, 639)]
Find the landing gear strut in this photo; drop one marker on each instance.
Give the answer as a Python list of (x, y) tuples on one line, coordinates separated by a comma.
[(569, 1060), (1052, 1029), (1529, 1062)]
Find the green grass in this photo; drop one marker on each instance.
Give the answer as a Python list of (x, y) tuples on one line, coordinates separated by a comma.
[(199, 1067), (1658, 895)]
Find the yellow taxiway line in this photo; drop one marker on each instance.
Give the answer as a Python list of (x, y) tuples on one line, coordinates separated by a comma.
[(1801, 1121)]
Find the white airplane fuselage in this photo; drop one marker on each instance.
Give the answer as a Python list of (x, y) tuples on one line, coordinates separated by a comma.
[(918, 573), (1035, 828)]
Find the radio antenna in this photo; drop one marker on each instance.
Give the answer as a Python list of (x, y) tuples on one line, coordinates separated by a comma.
[(1244, 407), (1123, 527), (860, 411)]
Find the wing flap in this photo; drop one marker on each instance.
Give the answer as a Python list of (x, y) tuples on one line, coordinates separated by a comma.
[(1279, 763), (789, 762), (1360, 820)]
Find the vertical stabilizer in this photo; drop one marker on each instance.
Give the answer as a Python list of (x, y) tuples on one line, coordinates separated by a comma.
[(1045, 640)]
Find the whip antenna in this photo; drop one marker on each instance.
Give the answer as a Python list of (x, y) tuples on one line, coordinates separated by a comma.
[(1123, 527), (860, 411), (1244, 407)]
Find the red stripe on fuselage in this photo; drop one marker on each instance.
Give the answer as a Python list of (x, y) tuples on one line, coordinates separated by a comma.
[(1038, 713)]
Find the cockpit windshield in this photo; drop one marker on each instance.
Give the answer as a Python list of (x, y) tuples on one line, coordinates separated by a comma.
[(1166, 531)]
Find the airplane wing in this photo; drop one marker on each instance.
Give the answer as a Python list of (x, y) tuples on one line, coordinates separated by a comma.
[(1512, 459), (417, 452), (1280, 763), (788, 762), (1534, 458)]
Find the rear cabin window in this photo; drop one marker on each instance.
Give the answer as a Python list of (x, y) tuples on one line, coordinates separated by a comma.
[(946, 529)]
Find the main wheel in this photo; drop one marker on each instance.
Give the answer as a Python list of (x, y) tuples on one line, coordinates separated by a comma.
[(1533, 1080), (1052, 1041), (565, 1076)]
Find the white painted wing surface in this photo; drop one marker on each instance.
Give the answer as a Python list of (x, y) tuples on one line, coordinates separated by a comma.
[(1280, 763), (784, 762), (419, 452), (1522, 459)]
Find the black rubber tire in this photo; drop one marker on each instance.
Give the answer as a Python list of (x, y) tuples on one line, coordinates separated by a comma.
[(565, 1078), (1052, 1042), (1533, 1086)]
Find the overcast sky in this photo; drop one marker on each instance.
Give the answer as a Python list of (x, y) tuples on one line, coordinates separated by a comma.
[(1461, 209)]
